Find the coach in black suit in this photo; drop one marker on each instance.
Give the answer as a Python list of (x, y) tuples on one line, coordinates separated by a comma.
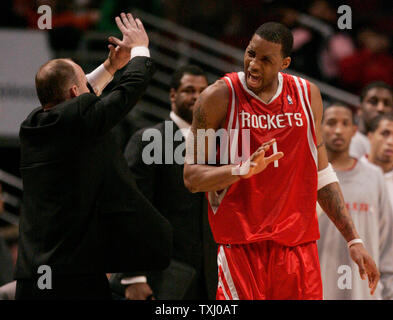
[(80, 202), (192, 272)]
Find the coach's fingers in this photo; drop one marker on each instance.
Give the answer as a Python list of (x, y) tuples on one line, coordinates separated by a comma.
[(274, 157), (120, 25), (115, 41), (125, 20), (140, 24), (132, 20)]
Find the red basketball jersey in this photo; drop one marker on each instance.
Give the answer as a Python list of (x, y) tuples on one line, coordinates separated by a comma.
[(279, 203)]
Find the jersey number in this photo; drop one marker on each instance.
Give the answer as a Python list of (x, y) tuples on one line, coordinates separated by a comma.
[(275, 163)]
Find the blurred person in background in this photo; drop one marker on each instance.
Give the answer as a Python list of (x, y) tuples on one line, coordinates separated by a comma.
[(375, 99), (366, 199), (193, 271), (318, 46), (371, 61), (381, 151), (70, 19)]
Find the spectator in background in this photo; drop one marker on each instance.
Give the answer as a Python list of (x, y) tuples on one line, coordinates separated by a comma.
[(381, 151), (376, 98), (13, 13), (192, 273), (372, 61), (367, 200), (69, 20), (318, 45)]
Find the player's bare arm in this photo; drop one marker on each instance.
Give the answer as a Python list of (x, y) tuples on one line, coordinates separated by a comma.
[(210, 113), (332, 202)]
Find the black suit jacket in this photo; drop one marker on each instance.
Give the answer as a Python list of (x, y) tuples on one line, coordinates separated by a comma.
[(78, 191), (163, 185), (6, 266)]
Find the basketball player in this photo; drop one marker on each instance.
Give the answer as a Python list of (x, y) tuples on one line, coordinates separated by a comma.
[(264, 220)]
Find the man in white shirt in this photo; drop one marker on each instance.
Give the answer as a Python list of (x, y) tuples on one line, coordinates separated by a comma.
[(193, 271), (365, 195), (376, 98)]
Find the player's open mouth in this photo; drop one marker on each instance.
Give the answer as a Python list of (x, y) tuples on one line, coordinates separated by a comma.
[(253, 80), (338, 142), (388, 152)]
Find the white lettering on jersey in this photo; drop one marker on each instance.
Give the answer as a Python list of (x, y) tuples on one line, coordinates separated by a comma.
[(271, 121), (245, 118), (299, 120)]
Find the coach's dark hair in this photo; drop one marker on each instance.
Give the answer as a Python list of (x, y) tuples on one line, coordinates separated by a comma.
[(374, 123), (343, 105), (52, 81), (277, 33), (372, 85), (187, 69)]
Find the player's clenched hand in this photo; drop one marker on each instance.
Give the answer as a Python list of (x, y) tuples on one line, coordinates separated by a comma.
[(258, 162), (138, 291), (366, 265)]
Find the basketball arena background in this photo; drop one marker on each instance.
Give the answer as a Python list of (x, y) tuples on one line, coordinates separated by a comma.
[(340, 59)]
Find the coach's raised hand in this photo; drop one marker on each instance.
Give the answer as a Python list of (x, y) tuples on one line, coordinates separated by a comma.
[(134, 35)]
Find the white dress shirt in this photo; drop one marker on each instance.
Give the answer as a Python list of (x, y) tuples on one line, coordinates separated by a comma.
[(183, 125), (100, 77)]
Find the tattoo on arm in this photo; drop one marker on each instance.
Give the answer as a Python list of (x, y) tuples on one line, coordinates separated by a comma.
[(200, 115), (332, 202), (321, 144)]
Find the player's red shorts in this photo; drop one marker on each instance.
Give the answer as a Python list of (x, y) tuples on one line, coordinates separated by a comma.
[(267, 270)]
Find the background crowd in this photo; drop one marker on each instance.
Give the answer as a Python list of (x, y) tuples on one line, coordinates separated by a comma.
[(348, 58)]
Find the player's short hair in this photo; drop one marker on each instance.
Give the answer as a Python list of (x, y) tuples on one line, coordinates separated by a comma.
[(374, 123), (277, 33), (372, 85), (52, 81), (186, 69), (343, 105)]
